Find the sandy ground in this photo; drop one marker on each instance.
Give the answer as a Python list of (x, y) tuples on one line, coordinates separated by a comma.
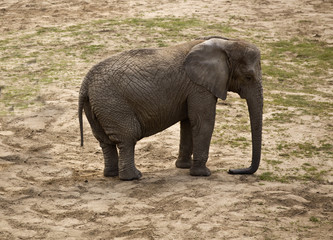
[(51, 188)]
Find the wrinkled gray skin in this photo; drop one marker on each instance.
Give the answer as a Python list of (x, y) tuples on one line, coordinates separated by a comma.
[(138, 93)]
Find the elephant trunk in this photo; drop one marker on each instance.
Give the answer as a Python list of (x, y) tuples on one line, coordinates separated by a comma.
[(255, 107)]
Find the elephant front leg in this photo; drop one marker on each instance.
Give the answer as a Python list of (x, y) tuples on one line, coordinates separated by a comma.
[(110, 160), (127, 169), (201, 142), (185, 147), (202, 117)]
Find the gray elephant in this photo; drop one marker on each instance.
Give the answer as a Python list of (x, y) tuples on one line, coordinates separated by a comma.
[(137, 93)]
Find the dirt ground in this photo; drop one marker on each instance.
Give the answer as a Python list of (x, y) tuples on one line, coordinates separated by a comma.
[(51, 188)]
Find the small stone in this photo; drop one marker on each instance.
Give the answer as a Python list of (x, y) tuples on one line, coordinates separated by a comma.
[(6, 133)]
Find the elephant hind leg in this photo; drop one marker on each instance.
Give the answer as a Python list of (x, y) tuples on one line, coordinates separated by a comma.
[(127, 169), (110, 160), (109, 148)]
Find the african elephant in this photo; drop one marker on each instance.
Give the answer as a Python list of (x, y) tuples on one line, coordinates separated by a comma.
[(137, 93)]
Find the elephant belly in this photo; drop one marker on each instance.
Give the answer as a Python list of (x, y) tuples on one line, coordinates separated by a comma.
[(159, 104), (159, 120)]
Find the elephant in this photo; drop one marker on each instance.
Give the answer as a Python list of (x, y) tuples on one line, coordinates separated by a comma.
[(138, 93)]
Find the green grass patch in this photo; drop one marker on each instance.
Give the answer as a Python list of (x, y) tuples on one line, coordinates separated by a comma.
[(314, 219), (271, 177), (308, 168), (313, 175), (170, 24), (274, 162), (164, 30), (91, 50), (279, 73), (309, 174), (301, 51), (304, 149), (239, 142), (304, 103), (296, 63), (19, 97), (43, 30), (281, 117)]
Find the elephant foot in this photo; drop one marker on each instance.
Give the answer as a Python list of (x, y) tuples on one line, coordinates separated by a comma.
[(183, 164), (110, 172), (200, 171), (129, 175)]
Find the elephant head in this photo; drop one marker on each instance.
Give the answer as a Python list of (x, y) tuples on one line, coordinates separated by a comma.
[(222, 65)]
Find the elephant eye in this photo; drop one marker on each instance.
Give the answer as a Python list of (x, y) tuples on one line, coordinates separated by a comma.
[(248, 78)]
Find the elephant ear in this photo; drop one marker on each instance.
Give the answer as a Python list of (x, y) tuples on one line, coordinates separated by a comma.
[(207, 65)]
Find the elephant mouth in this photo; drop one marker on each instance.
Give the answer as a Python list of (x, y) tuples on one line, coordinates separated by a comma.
[(241, 93)]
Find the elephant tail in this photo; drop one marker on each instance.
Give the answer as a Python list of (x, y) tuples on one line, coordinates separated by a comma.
[(83, 96), (80, 120)]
